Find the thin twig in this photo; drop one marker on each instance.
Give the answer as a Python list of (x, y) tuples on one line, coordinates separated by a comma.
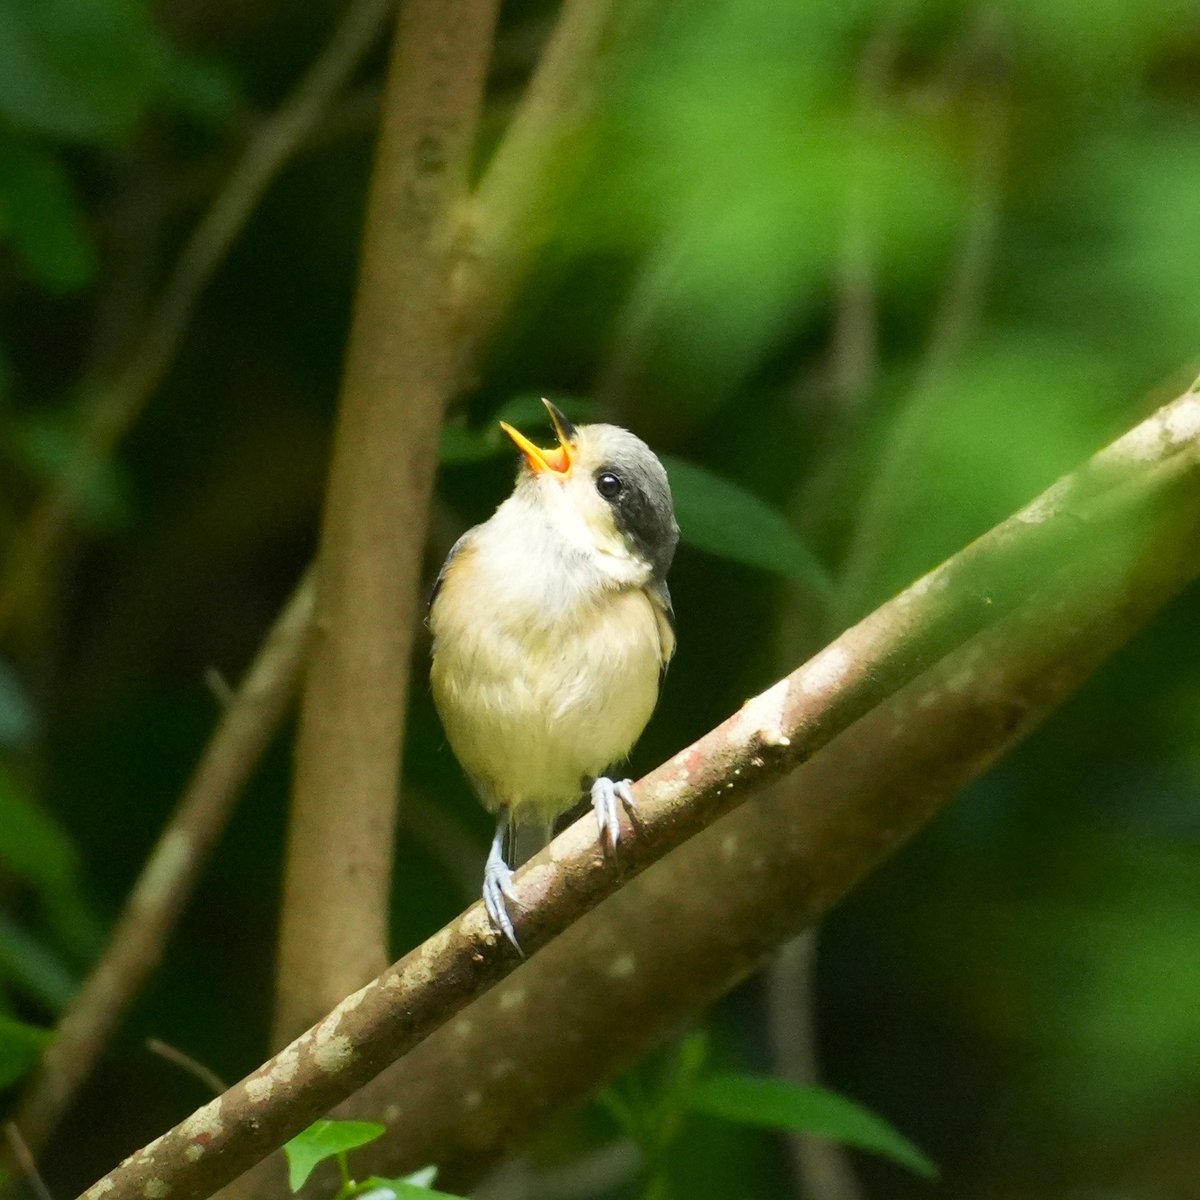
[(961, 302), (955, 319), (185, 1062), (854, 350), (820, 1166), (1129, 517), (838, 399), (117, 403), (219, 686), (24, 1159), (247, 725), (512, 209)]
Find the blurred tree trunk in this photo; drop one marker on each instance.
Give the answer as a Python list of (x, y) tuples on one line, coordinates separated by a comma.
[(399, 377)]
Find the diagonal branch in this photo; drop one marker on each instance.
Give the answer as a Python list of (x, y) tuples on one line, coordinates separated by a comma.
[(1130, 515), (512, 210), (694, 926)]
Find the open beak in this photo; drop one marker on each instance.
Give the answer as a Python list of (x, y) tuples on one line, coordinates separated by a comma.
[(558, 460)]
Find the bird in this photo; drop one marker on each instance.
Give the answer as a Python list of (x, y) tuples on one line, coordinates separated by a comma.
[(552, 628)]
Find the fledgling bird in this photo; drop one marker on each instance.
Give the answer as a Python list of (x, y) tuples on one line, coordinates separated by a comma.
[(552, 627)]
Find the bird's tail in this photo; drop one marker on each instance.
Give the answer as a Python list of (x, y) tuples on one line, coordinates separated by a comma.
[(525, 838)]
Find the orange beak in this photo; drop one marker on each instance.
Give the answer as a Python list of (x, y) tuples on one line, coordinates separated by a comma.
[(561, 458)]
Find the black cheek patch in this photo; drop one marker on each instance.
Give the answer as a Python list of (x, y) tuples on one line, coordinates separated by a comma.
[(648, 526)]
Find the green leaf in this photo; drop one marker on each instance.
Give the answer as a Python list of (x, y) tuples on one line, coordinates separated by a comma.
[(38, 970), (20, 1045), (463, 444), (724, 519), (17, 717), (776, 1104), (412, 1187), (684, 1073), (47, 443), (202, 88), (694, 1051), (381, 1189), (77, 69), (33, 846), (36, 849), (623, 1112), (322, 1140), (40, 217), (422, 1179), (650, 1102)]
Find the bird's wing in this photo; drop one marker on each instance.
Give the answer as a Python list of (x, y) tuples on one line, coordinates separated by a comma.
[(441, 578), (664, 615)]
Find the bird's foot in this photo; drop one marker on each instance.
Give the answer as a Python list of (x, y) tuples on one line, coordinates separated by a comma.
[(497, 889), (605, 795), (497, 886)]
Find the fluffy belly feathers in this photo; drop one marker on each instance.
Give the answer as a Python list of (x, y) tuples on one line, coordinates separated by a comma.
[(531, 711)]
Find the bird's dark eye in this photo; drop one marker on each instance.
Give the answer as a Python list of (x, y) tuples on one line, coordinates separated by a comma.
[(608, 484)]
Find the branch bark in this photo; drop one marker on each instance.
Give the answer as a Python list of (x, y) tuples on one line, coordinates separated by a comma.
[(398, 379), (166, 881), (1021, 615)]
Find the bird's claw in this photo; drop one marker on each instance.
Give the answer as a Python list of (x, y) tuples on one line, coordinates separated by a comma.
[(605, 795), (497, 888)]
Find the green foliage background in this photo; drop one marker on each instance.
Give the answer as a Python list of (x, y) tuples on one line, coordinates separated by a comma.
[(1004, 196)]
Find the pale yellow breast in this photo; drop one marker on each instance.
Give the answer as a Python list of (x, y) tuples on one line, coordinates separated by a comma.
[(534, 698)]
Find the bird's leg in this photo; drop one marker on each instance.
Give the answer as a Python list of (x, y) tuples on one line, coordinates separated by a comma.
[(497, 882), (605, 794)]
